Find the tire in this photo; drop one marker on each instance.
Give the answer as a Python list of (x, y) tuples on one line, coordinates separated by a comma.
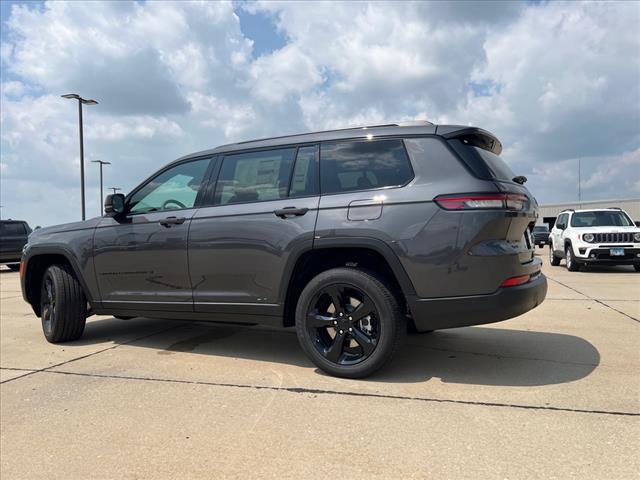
[(349, 341), (14, 267), (553, 260), (63, 306), (637, 267), (572, 264), (122, 317)]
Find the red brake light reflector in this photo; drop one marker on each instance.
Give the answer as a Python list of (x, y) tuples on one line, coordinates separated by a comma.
[(515, 281)]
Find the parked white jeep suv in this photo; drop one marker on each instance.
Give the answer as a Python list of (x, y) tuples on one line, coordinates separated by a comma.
[(603, 236)]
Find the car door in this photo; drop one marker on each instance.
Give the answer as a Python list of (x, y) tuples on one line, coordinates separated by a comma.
[(261, 216), (140, 257)]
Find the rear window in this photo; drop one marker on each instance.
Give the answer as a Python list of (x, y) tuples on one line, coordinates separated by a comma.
[(600, 219), (483, 163), (363, 165), (13, 228), (540, 228)]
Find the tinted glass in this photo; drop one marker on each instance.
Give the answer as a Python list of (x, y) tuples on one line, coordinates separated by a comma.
[(350, 166), (254, 176), (600, 219), (482, 162), (172, 189), (304, 181), (10, 229), (540, 229), (561, 220)]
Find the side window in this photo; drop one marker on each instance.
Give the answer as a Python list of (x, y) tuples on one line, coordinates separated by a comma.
[(303, 180), (173, 189), (363, 165), (254, 176), (562, 221)]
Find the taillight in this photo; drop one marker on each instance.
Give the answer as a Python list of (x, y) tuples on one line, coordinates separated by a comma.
[(515, 281), (484, 201)]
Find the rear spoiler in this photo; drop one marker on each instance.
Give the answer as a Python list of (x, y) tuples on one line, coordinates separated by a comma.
[(474, 135)]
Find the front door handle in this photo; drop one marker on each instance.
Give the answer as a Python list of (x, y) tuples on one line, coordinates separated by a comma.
[(290, 211), (167, 222)]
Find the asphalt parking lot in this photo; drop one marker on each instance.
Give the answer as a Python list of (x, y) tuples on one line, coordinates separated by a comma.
[(554, 393)]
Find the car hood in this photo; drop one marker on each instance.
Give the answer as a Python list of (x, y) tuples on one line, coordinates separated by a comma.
[(65, 227), (611, 229)]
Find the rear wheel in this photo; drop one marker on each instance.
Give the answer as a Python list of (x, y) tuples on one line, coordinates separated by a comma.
[(14, 267), (349, 322), (637, 267), (553, 260), (572, 264), (63, 306)]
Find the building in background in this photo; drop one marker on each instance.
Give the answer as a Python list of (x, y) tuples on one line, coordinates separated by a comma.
[(549, 212)]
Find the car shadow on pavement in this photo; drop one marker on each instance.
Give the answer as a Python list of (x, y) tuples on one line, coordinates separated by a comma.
[(473, 355)]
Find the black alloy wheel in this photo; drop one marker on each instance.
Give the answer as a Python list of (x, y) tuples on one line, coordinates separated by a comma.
[(342, 323), (48, 307), (63, 306), (349, 322)]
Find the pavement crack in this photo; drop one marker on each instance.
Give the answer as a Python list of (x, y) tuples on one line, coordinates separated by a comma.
[(315, 391), (112, 347), (595, 300)]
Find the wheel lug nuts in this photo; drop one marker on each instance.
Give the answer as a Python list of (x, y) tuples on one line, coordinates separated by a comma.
[(335, 322), (340, 313), (351, 329), (341, 332), (350, 318)]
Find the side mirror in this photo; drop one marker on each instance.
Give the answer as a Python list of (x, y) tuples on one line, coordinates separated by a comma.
[(114, 204)]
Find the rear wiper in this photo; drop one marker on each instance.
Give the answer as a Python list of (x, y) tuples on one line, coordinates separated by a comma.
[(520, 179)]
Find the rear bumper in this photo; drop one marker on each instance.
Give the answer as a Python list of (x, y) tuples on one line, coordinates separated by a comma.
[(451, 312)]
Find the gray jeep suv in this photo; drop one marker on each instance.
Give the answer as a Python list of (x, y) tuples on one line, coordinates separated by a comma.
[(352, 236)]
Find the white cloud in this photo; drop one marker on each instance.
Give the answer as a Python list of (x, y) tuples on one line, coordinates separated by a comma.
[(555, 81)]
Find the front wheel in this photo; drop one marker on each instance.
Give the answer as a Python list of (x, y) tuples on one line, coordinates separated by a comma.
[(349, 322), (63, 307), (637, 267), (572, 264), (553, 260), (14, 267)]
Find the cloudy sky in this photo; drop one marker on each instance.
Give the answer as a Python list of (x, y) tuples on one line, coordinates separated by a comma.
[(556, 82)]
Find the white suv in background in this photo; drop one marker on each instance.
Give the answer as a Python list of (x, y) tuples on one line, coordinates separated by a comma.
[(604, 236)]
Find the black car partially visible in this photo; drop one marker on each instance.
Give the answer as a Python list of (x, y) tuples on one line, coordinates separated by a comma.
[(13, 236), (541, 235)]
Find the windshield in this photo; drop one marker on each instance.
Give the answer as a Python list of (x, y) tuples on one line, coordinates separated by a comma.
[(605, 218), (540, 228)]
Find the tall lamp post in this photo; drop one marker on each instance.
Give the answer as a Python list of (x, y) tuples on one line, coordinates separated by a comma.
[(81, 101), (115, 189), (101, 163)]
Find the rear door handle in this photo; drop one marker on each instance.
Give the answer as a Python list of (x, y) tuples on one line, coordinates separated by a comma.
[(290, 211), (167, 222)]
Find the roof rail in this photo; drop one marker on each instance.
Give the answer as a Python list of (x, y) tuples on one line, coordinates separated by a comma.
[(408, 123)]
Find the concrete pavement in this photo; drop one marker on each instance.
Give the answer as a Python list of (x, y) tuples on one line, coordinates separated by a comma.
[(554, 393)]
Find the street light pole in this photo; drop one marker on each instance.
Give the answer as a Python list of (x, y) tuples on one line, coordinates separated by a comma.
[(101, 162), (81, 101), (579, 180)]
